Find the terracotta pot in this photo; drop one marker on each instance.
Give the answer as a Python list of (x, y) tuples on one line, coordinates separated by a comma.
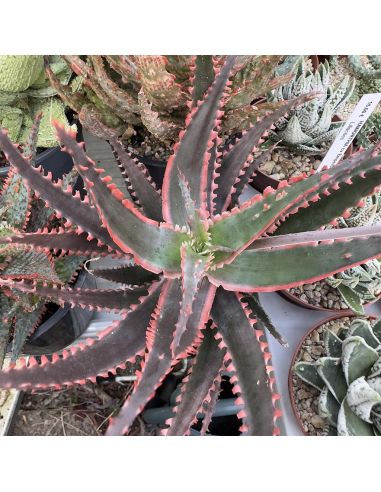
[(296, 353)]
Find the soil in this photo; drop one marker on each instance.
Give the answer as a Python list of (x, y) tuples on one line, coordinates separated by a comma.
[(145, 144), (306, 396), (77, 411)]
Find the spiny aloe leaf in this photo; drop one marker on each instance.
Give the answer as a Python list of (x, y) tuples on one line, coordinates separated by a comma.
[(209, 405), (75, 210), (154, 246), (115, 299), (349, 424), (352, 299), (203, 77), (329, 251), (117, 344), (307, 372), (197, 384), (158, 360), (65, 241), (332, 344), (357, 358), (336, 196), (362, 328), (263, 319), (193, 268), (67, 267), (329, 369), (191, 154), (126, 274), (235, 161), (361, 398), (200, 313), (141, 184), (248, 358), (237, 229), (328, 406)]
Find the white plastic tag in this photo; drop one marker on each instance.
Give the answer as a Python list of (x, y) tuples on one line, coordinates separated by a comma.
[(350, 129)]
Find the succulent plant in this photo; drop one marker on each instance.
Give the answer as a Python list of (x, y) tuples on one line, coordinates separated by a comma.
[(21, 211), (199, 257), (310, 128), (25, 91), (127, 92), (349, 379), (362, 283)]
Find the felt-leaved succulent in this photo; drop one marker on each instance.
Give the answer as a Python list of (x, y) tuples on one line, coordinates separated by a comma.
[(199, 256)]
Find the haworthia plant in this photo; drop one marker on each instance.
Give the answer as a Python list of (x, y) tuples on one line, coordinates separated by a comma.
[(198, 257), (310, 128), (349, 378)]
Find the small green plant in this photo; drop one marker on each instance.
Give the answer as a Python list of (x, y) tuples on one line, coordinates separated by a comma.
[(199, 260), (349, 379), (25, 91), (362, 283), (310, 128)]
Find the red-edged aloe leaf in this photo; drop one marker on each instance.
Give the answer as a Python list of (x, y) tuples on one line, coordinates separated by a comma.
[(29, 265), (235, 162), (334, 200), (197, 384), (194, 216), (126, 274), (209, 404), (30, 147), (240, 227), (15, 201), (191, 153), (282, 262), (109, 300), (141, 185), (247, 356), (263, 319), (158, 360), (155, 246), (68, 267), (200, 314), (204, 75), (25, 324), (64, 241), (193, 267), (116, 345), (72, 208)]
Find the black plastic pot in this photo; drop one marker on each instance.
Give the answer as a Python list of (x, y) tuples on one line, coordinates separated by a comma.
[(64, 326)]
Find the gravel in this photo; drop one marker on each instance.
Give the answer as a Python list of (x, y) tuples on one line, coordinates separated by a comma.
[(149, 146), (284, 164), (305, 396), (319, 294)]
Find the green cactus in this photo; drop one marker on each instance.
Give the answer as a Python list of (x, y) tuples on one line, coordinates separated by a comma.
[(349, 379), (310, 128), (25, 91)]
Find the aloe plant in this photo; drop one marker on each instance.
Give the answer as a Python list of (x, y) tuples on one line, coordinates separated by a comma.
[(348, 378), (198, 256), (127, 92)]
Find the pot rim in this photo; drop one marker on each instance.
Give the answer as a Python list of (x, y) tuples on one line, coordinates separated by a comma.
[(297, 350)]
